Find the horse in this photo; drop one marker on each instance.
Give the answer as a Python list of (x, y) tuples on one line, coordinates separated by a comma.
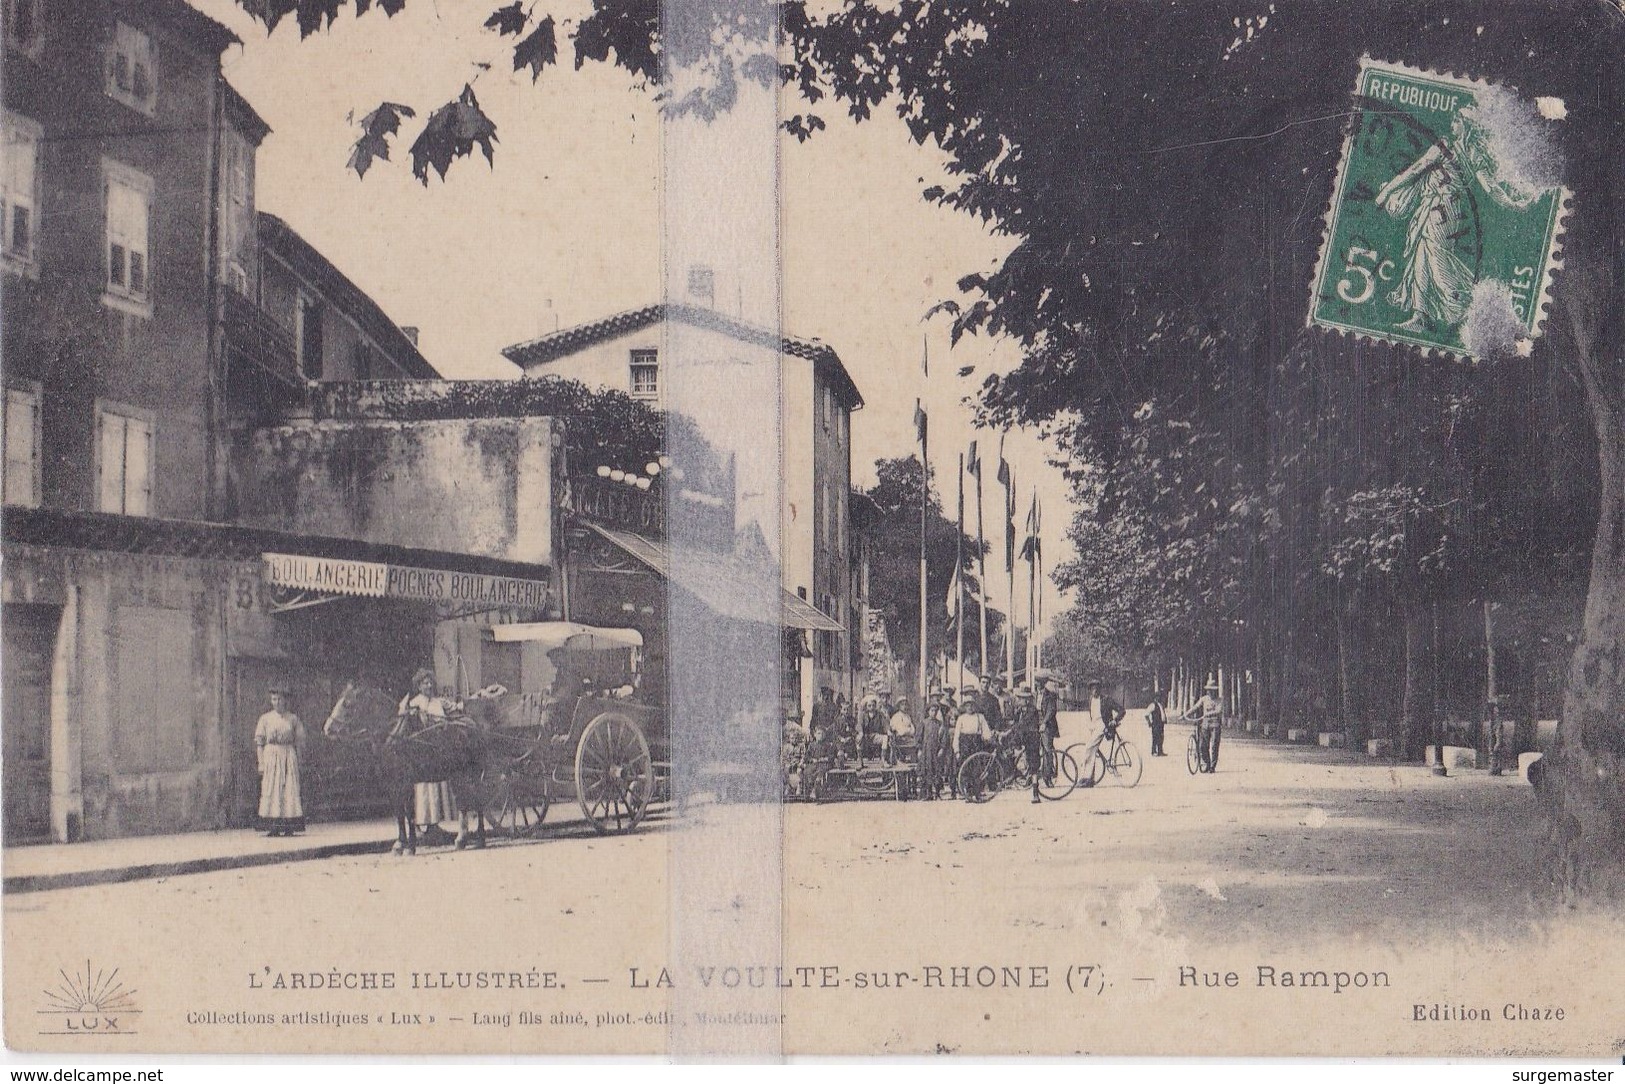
[(412, 748)]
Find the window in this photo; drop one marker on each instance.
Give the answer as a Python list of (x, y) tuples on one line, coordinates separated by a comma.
[(129, 210), (124, 461), (19, 192), (645, 374), (827, 399), (22, 480), (308, 336), (25, 25), (130, 69), (237, 178)]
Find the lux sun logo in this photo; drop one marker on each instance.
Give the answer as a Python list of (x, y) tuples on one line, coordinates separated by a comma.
[(92, 1002)]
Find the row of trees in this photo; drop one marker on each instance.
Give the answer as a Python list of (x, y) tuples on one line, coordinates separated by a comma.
[(1162, 170)]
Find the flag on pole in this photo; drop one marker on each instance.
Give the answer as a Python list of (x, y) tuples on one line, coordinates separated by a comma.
[(973, 464), (953, 599), (1032, 547), (1007, 479), (919, 421)]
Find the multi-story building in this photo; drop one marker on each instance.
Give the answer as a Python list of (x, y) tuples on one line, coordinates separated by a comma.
[(814, 459), (150, 314)]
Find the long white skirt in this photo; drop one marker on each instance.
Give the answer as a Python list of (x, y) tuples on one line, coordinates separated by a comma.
[(433, 803), (279, 784)]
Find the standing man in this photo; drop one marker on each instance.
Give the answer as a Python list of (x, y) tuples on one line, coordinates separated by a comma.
[(971, 732), (938, 722), (825, 713), (1156, 720), (1024, 729), (989, 704), (1208, 714), (1106, 711), (1049, 724)]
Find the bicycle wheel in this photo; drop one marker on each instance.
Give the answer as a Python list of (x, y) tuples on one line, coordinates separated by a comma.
[(1193, 755), (1126, 764), (1020, 773), (1087, 762), (1060, 776), (979, 777)]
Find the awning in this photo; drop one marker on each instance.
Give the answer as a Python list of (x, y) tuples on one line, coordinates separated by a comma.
[(554, 634), (728, 586)]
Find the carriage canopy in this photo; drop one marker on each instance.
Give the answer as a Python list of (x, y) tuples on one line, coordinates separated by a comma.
[(570, 634)]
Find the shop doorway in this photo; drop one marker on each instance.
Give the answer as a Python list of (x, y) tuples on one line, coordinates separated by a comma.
[(25, 677)]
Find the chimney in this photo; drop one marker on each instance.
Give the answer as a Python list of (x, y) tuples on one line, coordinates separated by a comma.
[(702, 285), (548, 321), (410, 333)]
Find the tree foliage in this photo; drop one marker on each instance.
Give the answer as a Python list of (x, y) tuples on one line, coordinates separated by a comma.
[(894, 575)]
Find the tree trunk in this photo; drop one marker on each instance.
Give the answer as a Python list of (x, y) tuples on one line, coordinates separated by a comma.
[(1347, 710), (1417, 687), (1587, 796), (1589, 819)]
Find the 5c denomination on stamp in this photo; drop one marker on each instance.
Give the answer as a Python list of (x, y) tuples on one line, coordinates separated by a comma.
[(1445, 222)]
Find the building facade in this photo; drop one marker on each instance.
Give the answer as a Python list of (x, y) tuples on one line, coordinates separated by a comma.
[(813, 469), (152, 318)]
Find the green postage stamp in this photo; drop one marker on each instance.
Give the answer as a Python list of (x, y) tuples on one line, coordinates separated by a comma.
[(1445, 224)]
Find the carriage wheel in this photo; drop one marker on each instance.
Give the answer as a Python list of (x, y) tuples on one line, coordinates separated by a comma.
[(614, 773), (513, 808)]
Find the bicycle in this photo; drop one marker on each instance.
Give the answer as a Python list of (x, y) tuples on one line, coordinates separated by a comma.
[(1120, 760), (1059, 772), (1196, 759), (984, 774)]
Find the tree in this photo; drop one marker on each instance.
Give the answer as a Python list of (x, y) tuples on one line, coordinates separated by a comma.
[(1162, 170), (894, 576)]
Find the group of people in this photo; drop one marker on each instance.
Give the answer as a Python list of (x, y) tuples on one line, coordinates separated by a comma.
[(884, 729), (955, 726), (279, 744)]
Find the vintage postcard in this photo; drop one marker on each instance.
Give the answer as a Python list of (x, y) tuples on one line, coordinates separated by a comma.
[(732, 529)]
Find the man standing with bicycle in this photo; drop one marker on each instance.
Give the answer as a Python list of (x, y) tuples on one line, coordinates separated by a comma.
[(1024, 732), (1106, 711), (1208, 715)]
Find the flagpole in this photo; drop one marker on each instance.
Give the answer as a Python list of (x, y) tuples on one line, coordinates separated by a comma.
[(1032, 595), (959, 575), (1038, 645), (1009, 566), (981, 570), (925, 492)]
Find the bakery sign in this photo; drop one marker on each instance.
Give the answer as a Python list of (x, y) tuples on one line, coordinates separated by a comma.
[(370, 579)]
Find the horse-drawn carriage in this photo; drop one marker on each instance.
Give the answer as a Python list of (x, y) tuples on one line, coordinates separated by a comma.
[(510, 755)]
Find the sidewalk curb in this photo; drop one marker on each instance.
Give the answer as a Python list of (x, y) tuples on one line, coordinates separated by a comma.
[(45, 882)]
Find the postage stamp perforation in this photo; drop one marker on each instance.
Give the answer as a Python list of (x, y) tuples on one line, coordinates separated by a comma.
[(1475, 275), (1554, 260)]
